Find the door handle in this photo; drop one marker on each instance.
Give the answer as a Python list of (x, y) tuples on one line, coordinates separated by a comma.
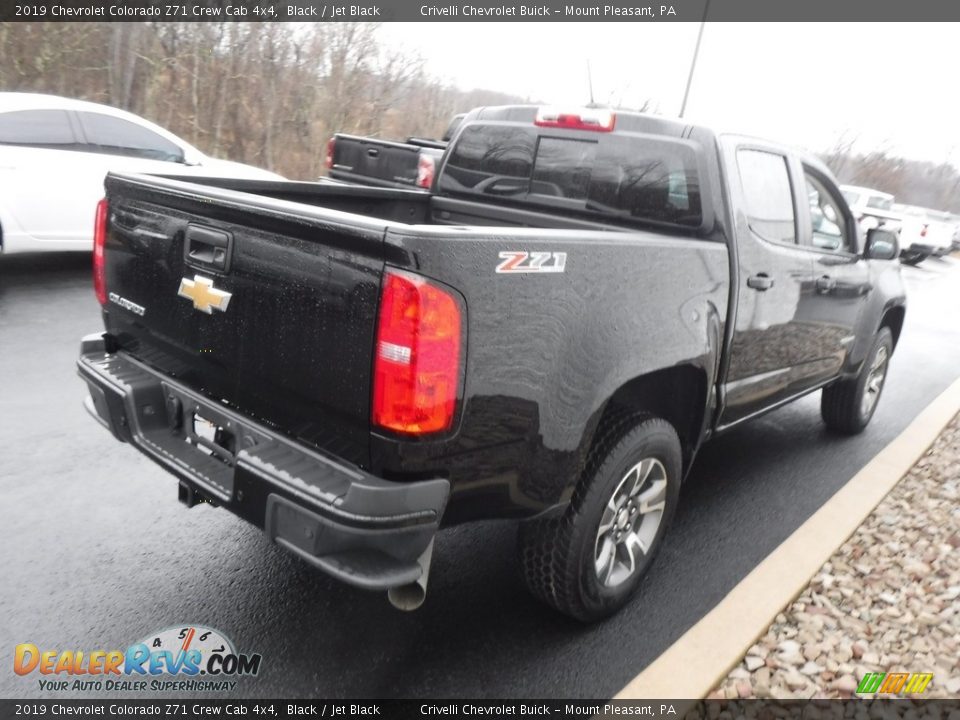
[(825, 284), (373, 152), (760, 281)]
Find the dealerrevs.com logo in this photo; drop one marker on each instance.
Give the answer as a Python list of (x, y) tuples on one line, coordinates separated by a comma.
[(186, 658)]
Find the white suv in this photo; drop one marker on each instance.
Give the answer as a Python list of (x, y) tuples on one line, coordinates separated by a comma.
[(54, 154)]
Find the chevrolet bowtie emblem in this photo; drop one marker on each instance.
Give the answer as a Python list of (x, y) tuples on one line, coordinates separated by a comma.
[(204, 295)]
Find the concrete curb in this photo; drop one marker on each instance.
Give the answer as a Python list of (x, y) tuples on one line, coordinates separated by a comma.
[(705, 654)]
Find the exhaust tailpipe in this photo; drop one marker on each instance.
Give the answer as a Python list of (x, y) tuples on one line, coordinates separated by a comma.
[(411, 596)]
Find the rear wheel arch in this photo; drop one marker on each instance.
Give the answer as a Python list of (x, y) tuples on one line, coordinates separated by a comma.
[(676, 394)]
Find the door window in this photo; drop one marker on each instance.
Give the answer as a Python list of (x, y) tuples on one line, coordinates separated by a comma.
[(768, 199), (37, 128), (116, 136), (829, 230)]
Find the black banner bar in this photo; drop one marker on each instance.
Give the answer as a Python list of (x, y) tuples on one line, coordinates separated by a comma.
[(477, 10), (448, 709)]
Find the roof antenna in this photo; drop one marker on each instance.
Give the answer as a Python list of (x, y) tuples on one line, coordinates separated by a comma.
[(693, 62), (590, 82)]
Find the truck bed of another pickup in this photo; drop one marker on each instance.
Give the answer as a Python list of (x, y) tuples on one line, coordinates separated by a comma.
[(388, 163)]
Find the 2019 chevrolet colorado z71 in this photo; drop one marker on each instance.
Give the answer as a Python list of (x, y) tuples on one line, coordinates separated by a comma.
[(550, 334)]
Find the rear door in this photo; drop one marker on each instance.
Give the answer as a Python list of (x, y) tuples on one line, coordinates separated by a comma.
[(773, 355)]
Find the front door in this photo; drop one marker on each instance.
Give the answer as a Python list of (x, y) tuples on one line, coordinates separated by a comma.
[(841, 275)]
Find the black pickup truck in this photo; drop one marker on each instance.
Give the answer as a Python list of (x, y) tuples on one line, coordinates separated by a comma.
[(387, 163), (550, 334)]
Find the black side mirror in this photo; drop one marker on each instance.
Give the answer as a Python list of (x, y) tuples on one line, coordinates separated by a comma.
[(882, 244)]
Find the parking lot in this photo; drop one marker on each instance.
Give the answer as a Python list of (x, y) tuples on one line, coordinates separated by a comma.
[(105, 554)]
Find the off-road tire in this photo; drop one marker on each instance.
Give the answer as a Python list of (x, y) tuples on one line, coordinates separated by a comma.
[(841, 404), (557, 555)]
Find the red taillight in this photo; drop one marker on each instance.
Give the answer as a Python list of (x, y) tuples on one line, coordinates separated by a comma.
[(331, 146), (99, 238), (426, 166), (416, 369), (597, 120)]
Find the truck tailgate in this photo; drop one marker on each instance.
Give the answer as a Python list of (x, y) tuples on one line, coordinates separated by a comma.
[(370, 160), (264, 305)]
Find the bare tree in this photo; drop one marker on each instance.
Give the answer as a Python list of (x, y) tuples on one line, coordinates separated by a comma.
[(914, 182), (264, 93)]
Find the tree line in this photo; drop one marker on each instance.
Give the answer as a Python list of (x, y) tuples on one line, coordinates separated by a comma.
[(928, 184), (269, 94)]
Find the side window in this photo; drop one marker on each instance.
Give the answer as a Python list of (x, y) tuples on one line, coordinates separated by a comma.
[(767, 195), (37, 128), (116, 136), (826, 219)]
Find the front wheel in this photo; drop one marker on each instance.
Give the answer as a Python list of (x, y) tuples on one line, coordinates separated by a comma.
[(847, 405), (587, 562)]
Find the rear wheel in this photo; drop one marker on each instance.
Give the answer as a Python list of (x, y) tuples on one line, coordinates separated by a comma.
[(587, 562), (847, 405)]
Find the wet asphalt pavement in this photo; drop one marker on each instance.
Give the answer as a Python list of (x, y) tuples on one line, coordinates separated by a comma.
[(96, 551)]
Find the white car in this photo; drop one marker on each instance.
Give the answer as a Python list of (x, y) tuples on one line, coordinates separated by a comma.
[(54, 154)]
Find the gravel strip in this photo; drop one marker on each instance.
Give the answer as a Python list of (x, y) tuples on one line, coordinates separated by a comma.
[(887, 601)]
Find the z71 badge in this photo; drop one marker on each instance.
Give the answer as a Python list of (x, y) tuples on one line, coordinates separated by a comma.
[(521, 261)]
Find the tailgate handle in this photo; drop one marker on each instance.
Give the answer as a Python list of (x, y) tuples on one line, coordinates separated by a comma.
[(373, 152), (207, 248)]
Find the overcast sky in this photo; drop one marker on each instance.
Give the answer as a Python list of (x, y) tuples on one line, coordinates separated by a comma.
[(891, 85)]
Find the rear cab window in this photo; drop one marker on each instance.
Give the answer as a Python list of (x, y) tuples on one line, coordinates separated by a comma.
[(629, 178)]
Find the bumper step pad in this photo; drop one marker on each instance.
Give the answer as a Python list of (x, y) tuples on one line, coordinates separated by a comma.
[(362, 529)]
